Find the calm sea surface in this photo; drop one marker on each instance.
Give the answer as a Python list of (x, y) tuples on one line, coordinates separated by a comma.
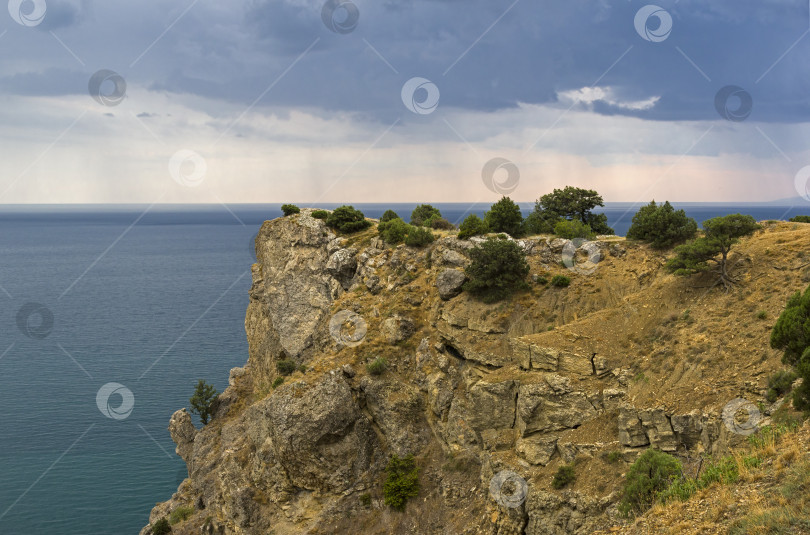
[(152, 302)]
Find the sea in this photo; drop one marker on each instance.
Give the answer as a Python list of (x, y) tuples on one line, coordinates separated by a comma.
[(111, 314)]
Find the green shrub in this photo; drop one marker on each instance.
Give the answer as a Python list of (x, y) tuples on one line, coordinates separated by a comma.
[(542, 280), (202, 401), (161, 527), (779, 384), (662, 225), (290, 209), (320, 214), (505, 216), (393, 231), (723, 471), (762, 315), (401, 481), (423, 213), (180, 514), (365, 499), (347, 219), (575, 228), (498, 268), (791, 333), (613, 456), (377, 366), (277, 381), (302, 368), (561, 281), (419, 237), (286, 366), (565, 475), (471, 226), (800, 219), (388, 216), (440, 223), (652, 473)]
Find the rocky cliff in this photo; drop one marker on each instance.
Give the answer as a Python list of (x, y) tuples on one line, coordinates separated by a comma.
[(490, 399)]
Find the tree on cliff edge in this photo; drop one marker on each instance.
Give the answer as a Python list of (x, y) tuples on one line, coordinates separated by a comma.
[(202, 402), (719, 235)]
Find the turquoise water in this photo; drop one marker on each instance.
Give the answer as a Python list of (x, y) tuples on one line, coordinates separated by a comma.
[(154, 307)]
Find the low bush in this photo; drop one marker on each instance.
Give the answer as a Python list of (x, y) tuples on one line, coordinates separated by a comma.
[(652, 473), (565, 475), (388, 216), (393, 231), (560, 281), (377, 366), (779, 384), (471, 226), (320, 214), (498, 269), (424, 213), (180, 514), (290, 209), (441, 223), (800, 219), (161, 527), (286, 366), (419, 237), (347, 219), (401, 481), (575, 228), (277, 382)]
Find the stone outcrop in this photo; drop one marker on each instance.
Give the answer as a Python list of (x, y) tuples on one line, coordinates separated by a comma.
[(471, 389), (449, 283)]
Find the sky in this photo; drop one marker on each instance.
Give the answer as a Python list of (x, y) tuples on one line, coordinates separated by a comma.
[(307, 101)]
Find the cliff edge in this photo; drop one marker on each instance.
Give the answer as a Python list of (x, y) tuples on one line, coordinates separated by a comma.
[(490, 399)]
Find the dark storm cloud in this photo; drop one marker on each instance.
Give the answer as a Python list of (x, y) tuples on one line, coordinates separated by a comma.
[(236, 51)]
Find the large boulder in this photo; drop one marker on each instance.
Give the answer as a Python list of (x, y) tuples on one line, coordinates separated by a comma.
[(449, 283), (342, 265), (397, 329)]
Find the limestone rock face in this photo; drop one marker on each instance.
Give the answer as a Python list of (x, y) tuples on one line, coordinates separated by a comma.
[(449, 283), (292, 291), (342, 265), (541, 407), (182, 431), (398, 410), (318, 434)]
